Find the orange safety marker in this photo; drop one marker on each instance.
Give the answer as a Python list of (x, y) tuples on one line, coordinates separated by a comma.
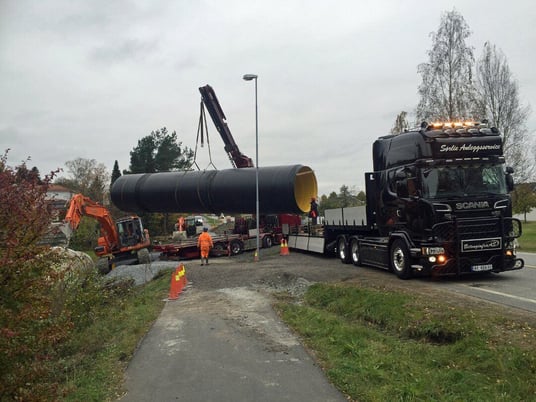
[(284, 248), (182, 277), (178, 282)]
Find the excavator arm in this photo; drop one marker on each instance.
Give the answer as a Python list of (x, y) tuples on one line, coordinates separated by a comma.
[(211, 103), (83, 206)]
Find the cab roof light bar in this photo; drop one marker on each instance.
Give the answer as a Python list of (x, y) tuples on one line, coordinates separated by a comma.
[(460, 128)]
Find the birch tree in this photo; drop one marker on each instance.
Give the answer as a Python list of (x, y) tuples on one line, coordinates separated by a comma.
[(401, 123), (498, 102), (446, 91)]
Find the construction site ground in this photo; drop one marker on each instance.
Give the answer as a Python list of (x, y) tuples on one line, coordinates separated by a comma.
[(221, 340)]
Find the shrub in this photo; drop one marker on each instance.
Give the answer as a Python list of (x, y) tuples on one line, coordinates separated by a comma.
[(32, 324)]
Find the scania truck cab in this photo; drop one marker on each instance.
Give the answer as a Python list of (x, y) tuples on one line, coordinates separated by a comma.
[(443, 191), (438, 203)]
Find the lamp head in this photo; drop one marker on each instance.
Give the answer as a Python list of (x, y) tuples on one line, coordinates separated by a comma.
[(249, 77)]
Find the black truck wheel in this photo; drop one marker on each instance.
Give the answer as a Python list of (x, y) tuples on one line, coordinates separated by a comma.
[(236, 247), (267, 242), (400, 259), (218, 250), (342, 249), (354, 252)]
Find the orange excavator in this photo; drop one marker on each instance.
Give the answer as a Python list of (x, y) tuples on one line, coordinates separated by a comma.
[(124, 239)]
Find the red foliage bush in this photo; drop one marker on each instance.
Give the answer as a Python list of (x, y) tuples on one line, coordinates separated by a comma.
[(30, 326)]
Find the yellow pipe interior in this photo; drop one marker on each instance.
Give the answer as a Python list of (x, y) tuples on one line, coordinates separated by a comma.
[(305, 188)]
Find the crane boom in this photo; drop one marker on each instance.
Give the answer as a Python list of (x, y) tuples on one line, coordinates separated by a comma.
[(83, 206), (208, 96)]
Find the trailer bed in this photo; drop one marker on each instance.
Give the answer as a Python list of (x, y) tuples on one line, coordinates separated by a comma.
[(224, 245)]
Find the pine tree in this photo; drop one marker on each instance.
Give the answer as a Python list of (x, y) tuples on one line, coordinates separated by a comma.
[(159, 152), (116, 173)]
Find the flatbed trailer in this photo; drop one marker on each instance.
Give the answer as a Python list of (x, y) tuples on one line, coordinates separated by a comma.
[(224, 245)]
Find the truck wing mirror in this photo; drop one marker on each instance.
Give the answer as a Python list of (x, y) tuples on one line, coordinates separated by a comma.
[(400, 175), (509, 182), (402, 188), (509, 179)]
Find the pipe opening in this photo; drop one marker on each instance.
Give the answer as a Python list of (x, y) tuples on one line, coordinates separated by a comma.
[(305, 188)]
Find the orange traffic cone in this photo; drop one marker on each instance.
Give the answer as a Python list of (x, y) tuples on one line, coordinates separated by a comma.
[(174, 288), (182, 278), (178, 282), (284, 247)]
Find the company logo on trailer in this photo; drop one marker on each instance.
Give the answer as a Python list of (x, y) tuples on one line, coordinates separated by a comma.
[(472, 205)]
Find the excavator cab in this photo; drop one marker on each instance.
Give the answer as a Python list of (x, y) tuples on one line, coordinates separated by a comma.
[(130, 231)]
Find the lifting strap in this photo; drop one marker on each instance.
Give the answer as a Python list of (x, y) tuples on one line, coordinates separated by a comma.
[(202, 128)]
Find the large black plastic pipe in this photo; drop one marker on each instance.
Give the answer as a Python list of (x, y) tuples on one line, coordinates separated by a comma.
[(282, 189)]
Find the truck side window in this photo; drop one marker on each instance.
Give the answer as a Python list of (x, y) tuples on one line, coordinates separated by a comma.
[(412, 187), (391, 181)]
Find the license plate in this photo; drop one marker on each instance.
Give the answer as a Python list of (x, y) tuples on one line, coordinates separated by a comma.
[(480, 268)]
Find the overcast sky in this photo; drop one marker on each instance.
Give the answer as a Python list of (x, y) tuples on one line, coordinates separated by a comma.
[(90, 78)]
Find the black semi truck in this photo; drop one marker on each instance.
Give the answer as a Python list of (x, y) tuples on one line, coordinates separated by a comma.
[(438, 203)]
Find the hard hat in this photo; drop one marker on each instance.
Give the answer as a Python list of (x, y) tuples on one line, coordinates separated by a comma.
[(205, 229)]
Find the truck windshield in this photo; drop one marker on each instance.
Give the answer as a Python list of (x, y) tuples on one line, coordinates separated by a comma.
[(462, 181)]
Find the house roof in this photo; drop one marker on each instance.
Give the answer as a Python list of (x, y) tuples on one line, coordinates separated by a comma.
[(56, 188)]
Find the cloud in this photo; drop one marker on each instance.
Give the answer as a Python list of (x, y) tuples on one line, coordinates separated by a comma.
[(88, 79)]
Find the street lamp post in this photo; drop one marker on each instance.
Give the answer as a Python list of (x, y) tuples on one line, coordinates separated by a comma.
[(249, 77)]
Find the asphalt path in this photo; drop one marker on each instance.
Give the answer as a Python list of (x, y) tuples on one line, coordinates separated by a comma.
[(512, 288), (223, 345), (195, 353)]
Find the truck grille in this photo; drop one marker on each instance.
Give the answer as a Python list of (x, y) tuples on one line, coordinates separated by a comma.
[(476, 241), (478, 228), (482, 228)]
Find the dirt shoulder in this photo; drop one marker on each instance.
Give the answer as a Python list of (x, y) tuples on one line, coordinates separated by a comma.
[(295, 272)]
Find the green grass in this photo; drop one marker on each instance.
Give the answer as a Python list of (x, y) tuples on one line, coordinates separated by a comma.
[(95, 357), (379, 345), (374, 344), (527, 241)]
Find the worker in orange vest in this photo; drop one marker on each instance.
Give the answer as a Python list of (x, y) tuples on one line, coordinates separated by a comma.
[(204, 243), (179, 226)]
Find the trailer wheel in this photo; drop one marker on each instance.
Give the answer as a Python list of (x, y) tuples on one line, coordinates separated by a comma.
[(342, 249), (236, 247), (219, 249), (267, 242), (400, 261), (143, 256), (103, 265), (354, 251)]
